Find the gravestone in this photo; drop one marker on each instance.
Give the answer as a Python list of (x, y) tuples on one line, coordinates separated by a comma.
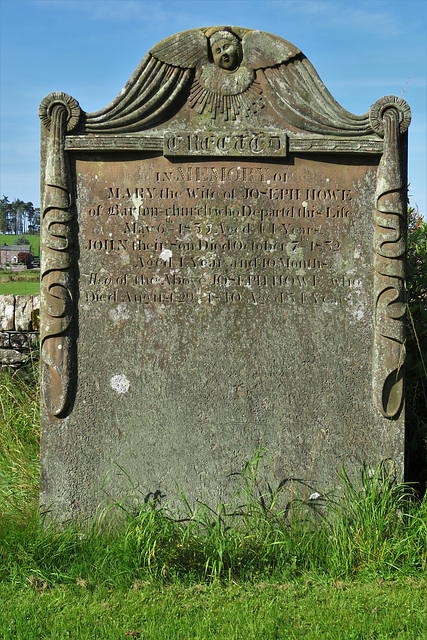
[(222, 269)]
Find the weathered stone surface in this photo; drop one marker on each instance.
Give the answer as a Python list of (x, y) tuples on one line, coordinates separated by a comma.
[(218, 289), (7, 312), (23, 310), (24, 340), (35, 314), (20, 311), (11, 358), (4, 340)]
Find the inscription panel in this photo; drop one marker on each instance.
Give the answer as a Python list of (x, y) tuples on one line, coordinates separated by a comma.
[(219, 232)]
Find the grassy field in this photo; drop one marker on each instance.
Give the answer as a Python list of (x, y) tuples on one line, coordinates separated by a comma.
[(34, 241), (303, 609), (244, 571), (20, 288), (19, 282)]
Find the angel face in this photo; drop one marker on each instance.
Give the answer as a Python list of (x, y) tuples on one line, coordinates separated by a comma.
[(226, 52)]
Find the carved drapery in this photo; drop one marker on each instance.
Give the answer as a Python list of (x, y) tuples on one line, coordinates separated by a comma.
[(390, 117), (146, 100), (302, 99), (59, 113)]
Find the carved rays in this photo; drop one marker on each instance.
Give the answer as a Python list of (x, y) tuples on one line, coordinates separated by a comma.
[(229, 107)]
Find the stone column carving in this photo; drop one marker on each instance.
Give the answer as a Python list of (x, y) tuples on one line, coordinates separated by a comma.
[(390, 117), (60, 114)]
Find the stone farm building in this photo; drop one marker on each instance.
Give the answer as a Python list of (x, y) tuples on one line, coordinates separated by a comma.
[(9, 252)]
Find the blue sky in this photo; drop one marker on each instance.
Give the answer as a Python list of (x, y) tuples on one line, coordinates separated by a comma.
[(361, 49)]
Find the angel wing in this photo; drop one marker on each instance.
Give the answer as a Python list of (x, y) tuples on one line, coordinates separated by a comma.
[(298, 95), (261, 50), (154, 88)]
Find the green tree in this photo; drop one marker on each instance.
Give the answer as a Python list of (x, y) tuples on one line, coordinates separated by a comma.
[(22, 240), (18, 209), (18, 217), (4, 214), (14, 215), (416, 344), (34, 220)]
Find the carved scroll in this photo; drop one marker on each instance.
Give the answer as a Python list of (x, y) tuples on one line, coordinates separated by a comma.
[(59, 113), (390, 117)]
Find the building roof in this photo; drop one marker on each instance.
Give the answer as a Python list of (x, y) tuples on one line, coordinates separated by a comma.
[(15, 247)]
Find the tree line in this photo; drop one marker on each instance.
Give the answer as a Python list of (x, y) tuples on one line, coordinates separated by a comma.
[(19, 217)]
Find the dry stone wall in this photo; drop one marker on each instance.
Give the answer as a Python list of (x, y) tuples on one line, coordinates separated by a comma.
[(19, 329)]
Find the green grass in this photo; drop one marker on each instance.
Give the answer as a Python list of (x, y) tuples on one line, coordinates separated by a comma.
[(19, 282), (352, 567), (233, 611), (23, 288), (19, 448), (34, 241)]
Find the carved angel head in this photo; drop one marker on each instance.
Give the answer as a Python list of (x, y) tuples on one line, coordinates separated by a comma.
[(226, 50)]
